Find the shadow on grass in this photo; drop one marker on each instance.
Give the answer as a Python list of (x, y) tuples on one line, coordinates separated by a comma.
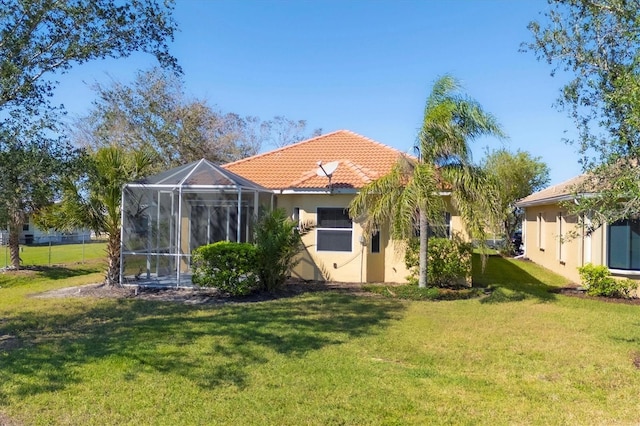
[(27, 274), (508, 281), (211, 346), (61, 272)]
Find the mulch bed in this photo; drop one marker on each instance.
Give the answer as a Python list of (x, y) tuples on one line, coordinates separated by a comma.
[(291, 288), (576, 291), (199, 296)]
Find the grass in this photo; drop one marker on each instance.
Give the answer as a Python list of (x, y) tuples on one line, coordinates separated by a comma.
[(55, 254), (527, 357), (413, 292)]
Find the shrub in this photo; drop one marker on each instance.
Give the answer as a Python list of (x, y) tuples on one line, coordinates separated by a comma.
[(278, 241), (229, 267), (448, 262), (599, 282)]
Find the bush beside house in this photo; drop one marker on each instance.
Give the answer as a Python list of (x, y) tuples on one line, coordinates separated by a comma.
[(449, 262), (229, 267), (597, 280), (242, 268)]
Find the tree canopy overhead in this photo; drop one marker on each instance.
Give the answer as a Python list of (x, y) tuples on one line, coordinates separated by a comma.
[(597, 44), (153, 112), (42, 37)]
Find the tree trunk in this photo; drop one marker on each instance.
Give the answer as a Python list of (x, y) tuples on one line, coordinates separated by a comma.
[(15, 226), (424, 245), (113, 259)]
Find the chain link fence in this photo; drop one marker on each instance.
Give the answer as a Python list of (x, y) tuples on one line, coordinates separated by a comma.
[(53, 249)]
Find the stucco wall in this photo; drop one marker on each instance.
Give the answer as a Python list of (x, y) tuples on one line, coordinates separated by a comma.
[(358, 265), (555, 239)]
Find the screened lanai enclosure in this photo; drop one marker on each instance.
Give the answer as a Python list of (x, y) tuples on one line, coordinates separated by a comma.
[(166, 216)]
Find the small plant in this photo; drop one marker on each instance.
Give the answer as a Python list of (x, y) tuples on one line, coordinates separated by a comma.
[(448, 264), (229, 267), (278, 241), (599, 282)]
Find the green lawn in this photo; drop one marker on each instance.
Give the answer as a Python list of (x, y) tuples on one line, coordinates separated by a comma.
[(55, 254), (520, 356)]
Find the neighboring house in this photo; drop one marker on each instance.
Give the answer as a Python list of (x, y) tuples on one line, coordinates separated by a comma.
[(560, 242), (31, 234), (336, 249)]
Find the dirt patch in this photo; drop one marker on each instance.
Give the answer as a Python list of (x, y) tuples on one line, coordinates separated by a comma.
[(635, 359), (7, 343), (7, 421), (198, 296)]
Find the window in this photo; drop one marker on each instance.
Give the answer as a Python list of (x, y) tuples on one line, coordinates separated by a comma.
[(334, 229), (25, 227), (586, 246), (436, 229), (375, 242), (623, 244), (560, 220), (540, 231)]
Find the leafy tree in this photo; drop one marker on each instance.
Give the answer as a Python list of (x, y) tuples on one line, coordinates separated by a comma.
[(596, 43), (283, 131), (93, 199), (516, 175), (154, 113), (33, 162), (411, 191), (41, 37)]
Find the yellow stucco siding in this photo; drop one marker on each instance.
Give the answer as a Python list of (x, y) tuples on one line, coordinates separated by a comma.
[(360, 264), (325, 265), (556, 240)]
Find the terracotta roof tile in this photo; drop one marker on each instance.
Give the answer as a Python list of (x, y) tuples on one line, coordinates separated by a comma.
[(360, 160)]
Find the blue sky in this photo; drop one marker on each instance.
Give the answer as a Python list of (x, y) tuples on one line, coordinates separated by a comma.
[(366, 66)]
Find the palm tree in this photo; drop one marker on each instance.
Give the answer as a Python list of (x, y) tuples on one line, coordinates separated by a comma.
[(412, 189), (94, 201)]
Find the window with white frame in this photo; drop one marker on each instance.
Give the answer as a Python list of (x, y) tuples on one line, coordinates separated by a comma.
[(334, 231), (540, 230), (436, 229), (560, 227), (586, 246)]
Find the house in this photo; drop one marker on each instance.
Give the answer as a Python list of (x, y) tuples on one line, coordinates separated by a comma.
[(561, 242), (31, 234), (336, 249), (168, 215)]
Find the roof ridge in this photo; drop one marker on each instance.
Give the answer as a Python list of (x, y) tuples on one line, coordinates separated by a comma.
[(282, 148), (293, 145), (375, 141), (365, 173), (560, 185), (304, 177)]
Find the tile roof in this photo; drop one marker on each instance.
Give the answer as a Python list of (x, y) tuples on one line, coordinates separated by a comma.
[(360, 160), (554, 193)]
